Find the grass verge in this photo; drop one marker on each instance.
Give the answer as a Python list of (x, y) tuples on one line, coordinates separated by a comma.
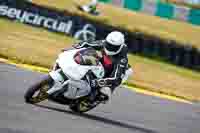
[(35, 46), (181, 32)]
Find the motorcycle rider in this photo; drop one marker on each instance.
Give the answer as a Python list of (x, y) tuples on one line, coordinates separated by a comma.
[(91, 7), (114, 59)]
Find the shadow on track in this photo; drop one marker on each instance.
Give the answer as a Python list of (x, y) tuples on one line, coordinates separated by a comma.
[(101, 119)]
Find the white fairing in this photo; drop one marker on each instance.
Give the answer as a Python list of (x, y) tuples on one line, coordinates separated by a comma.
[(77, 89), (75, 72)]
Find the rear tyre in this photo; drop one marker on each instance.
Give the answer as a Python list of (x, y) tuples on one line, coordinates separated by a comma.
[(37, 92)]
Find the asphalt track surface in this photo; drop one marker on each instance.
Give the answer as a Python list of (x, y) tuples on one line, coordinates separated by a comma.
[(127, 112)]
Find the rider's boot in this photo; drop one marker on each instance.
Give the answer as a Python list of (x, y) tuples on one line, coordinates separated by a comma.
[(92, 95), (107, 92)]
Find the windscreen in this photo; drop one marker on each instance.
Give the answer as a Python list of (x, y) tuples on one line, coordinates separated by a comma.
[(87, 56)]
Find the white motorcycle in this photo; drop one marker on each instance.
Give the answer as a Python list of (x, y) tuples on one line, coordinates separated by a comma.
[(68, 82)]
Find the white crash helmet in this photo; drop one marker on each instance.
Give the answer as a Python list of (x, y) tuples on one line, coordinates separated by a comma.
[(114, 43)]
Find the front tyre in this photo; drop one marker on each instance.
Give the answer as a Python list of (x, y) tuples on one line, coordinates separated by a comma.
[(38, 92)]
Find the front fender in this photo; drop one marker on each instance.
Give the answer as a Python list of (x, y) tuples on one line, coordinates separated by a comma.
[(58, 81)]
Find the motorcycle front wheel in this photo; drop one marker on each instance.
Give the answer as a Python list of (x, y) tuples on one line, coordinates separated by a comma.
[(38, 92)]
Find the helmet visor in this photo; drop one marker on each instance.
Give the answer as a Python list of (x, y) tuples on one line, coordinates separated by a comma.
[(110, 47)]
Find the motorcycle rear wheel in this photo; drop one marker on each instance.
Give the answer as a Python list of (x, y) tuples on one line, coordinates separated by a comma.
[(37, 92)]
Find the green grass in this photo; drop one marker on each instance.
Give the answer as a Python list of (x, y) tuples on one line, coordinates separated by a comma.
[(31, 45), (181, 32)]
